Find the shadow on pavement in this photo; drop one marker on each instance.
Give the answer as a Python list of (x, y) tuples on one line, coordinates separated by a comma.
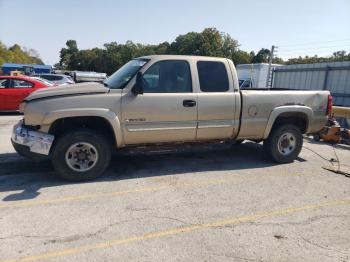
[(26, 176)]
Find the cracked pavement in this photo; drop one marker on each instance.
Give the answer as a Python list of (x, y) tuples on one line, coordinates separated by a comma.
[(218, 204)]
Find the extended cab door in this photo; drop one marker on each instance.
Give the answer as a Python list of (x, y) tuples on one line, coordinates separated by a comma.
[(218, 100), (167, 111)]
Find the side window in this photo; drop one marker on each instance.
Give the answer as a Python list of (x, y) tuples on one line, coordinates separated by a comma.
[(4, 83), (171, 76), (16, 83), (47, 77), (57, 78), (246, 84), (212, 76)]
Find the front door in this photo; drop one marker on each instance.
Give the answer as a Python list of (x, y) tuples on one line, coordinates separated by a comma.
[(4, 86), (167, 111), (18, 91)]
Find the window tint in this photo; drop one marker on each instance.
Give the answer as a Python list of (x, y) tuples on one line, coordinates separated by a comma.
[(47, 77), (4, 83), (58, 78), (16, 83), (172, 76), (212, 76), (246, 84)]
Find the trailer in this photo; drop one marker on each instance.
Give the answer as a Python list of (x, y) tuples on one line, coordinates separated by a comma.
[(81, 76), (254, 75)]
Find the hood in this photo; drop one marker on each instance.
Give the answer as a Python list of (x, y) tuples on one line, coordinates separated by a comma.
[(68, 90)]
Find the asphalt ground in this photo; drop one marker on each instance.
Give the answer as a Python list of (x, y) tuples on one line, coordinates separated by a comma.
[(203, 204)]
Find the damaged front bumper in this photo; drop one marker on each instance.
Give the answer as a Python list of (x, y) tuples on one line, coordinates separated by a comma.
[(35, 141)]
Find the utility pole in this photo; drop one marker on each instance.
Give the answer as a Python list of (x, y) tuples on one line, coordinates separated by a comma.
[(269, 72)]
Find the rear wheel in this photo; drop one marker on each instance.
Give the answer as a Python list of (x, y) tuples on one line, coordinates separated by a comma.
[(284, 143), (81, 155)]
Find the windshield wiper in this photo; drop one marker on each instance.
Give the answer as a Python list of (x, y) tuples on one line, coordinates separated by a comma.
[(105, 84)]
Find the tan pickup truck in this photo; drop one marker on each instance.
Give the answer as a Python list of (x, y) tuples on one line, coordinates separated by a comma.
[(162, 99)]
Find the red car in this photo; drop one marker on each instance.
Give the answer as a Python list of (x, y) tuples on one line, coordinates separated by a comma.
[(13, 89)]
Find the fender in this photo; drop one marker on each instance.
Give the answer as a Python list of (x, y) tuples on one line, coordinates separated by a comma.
[(108, 115), (276, 112)]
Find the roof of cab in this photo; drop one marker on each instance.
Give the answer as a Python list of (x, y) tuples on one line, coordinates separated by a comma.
[(184, 57)]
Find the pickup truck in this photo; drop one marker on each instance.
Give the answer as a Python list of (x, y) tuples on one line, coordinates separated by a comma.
[(162, 99)]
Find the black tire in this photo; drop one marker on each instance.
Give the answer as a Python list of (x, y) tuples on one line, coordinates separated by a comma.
[(284, 143), (68, 140)]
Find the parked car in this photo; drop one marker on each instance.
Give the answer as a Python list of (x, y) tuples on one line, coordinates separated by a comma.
[(163, 99), (44, 81), (56, 79), (13, 89)]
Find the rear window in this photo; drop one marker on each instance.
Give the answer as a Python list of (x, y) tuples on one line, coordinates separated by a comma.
[(58, 77), (52, 77), (212, 76), (47, 77)]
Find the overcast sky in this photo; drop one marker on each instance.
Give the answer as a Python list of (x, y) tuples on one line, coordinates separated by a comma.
[(298, 27)]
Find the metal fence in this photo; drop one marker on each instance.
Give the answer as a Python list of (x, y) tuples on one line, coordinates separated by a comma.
[(334, 77)]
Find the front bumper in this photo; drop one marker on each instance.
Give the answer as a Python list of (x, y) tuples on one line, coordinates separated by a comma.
[(37, 142)]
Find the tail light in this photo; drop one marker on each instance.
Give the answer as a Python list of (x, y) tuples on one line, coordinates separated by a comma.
[(329, 105)]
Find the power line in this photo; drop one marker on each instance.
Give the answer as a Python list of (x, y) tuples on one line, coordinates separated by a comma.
[(308, 54), (315, 48), (318, 42)]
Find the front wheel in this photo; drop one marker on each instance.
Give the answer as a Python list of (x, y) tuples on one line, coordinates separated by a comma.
[(81, 155), (284, 143)]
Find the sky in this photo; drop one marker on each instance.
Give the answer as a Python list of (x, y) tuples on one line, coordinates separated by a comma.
[(297, 27)]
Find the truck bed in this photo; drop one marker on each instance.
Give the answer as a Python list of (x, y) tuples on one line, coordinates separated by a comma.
[(257, 105)]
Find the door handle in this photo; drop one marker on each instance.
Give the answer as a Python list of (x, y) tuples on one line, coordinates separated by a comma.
[(189, 103)]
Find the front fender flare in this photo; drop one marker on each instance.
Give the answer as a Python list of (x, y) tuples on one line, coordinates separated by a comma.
[(108, 115), (276, 112)]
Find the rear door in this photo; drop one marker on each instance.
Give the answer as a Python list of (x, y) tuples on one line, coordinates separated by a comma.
[(18, 91), (217, 100), (4, 86), (167, 111)]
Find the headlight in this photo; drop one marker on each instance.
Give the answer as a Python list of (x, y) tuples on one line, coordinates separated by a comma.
[(22, 107)]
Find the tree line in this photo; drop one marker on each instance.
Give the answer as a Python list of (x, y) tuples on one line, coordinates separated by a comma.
[(16, 54), (209, 42)]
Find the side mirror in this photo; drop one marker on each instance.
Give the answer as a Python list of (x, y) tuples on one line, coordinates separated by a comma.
[(137, 89)]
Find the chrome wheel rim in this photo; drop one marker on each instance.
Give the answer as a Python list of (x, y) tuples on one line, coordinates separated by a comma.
[(81, 156), (286, 143)]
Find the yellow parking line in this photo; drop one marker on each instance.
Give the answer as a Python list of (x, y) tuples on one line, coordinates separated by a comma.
[(124, 192), (175, 231)]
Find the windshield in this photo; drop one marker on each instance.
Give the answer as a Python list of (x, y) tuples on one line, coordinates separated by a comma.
[(124, 74), (240, 82)]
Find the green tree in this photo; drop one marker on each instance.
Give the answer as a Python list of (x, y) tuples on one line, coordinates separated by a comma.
[(68, 55), (16, 54), (262, 56)]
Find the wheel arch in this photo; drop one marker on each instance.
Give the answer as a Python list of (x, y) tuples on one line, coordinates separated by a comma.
[(103, 120), (298, 115)]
